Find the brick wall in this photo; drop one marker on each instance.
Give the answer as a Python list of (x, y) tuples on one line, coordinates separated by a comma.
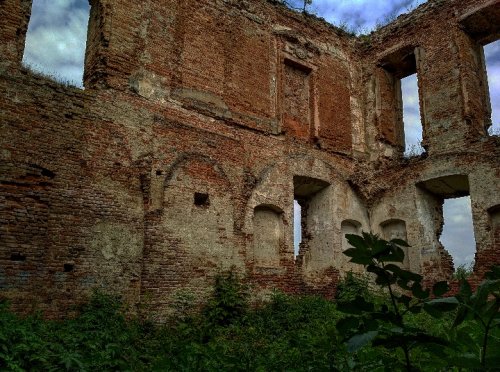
[(197, 114)]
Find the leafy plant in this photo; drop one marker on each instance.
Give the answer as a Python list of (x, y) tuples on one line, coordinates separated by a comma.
[(471, 337), (386, 324), (353, 285), (463, 271), (479, 309), (229, 299)]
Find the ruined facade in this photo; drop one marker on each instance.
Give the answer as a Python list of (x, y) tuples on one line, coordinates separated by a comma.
[(202, 121)]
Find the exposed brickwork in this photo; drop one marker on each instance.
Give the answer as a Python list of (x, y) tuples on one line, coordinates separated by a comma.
[(246, 105)]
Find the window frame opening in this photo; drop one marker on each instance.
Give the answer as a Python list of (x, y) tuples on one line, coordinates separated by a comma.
[(56, 41), (306, 189), (442, 189), (451, 229), (412, 127), (393, 103), (492, 86), (297, 228)]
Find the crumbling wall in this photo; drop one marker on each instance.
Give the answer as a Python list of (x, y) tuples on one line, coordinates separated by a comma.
[(202, 121)]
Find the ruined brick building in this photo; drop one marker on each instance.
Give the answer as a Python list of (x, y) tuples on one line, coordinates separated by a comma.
[(202, 121)]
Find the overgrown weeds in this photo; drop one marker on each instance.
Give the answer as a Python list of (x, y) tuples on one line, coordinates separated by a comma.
[(363, 330)]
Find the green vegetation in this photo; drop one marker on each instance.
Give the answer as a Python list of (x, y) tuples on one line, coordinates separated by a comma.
[(470, 342), (38, 71), (392, 323)]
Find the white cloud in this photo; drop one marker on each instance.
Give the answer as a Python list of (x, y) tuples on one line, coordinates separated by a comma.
[(56, 38), (458, 230)]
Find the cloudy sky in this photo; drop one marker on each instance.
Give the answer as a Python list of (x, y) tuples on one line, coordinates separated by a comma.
[(55, 45)]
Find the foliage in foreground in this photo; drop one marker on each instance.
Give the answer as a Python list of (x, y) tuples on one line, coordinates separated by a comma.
[(472, 341), (287, 333)]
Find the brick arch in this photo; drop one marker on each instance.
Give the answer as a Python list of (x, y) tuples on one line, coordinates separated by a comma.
[(185, 158)]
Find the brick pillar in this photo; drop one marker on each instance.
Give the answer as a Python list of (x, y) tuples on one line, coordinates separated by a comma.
[(98, 39), (14, 18)]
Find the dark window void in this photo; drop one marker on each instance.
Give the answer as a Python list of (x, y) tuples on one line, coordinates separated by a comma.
[(492, 61), (411, 116), (458, 232), (201, 199), (56, 39), (16, 256), (68, 267)]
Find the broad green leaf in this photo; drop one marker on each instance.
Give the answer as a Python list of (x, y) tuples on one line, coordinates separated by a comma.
[(356, 241), (438, 306), (440, 288), (419, 292), (484, 289), (380, 248), (404, 274), (469, 361), (494, 273), (395, 254), (400, 242), (404, 284), (358, 341), (361, 260), (460, 316), (465, 291), (356, 306), (348, 324)]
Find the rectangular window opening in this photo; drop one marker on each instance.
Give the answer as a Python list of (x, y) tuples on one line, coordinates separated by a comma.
[(297, 227), (457, 236), (411, 116), (56, 40), (492, 62)]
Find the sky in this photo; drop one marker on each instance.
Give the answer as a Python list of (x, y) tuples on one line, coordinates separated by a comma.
[(55, 45)]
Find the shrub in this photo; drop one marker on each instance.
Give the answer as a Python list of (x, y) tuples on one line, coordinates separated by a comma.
[(392, 326)]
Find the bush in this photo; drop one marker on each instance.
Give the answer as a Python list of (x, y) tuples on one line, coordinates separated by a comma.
[(475, 327)]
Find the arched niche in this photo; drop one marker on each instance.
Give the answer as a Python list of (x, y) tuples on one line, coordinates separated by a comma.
[(267, 235), (348, 226), (191, 237), (396, 229)]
